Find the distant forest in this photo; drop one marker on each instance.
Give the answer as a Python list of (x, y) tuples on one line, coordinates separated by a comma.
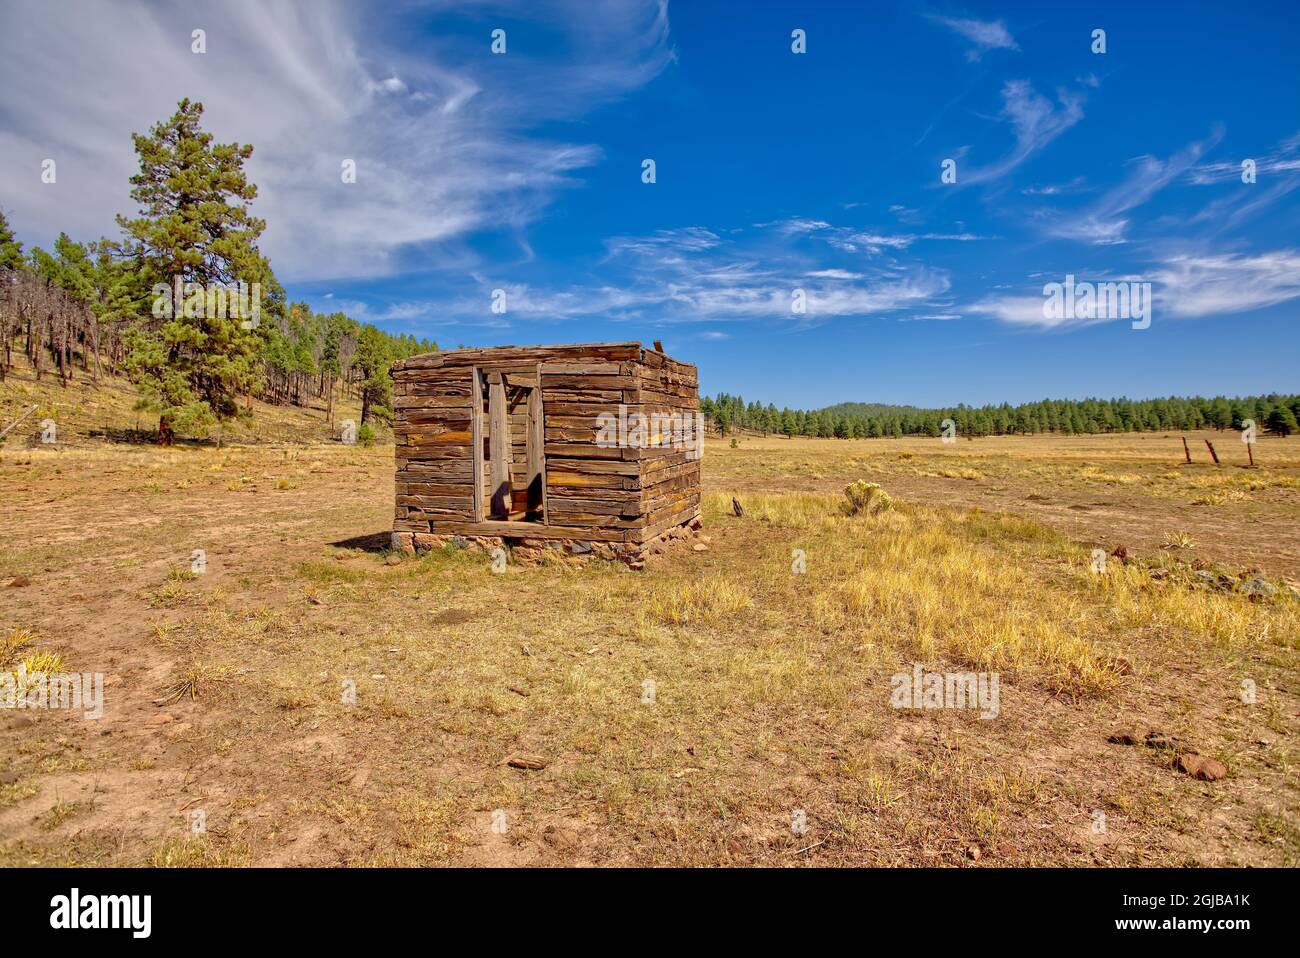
[(1276, 414)]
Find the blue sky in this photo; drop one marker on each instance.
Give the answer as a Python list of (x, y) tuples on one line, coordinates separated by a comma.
[(775, 172)]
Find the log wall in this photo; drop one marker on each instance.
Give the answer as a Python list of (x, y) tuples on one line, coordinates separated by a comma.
[(585, 491)]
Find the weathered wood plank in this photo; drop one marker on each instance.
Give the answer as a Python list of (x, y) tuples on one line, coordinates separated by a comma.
[(454, 503), (422, 440), (476, 439), (582, 369), (558, 477), (536, 450), (627, 508), (589, 382), (530, 530), (434, 489), (652, 531), (426, 470), (595, 466), (499, 440), (609, 397), (580, 451)]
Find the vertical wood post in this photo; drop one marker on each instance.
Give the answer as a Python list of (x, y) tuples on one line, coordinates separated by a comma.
[(1213, 455), (1250, 451), (499, 445), (1186, 452), (476, 439), (536, 449)]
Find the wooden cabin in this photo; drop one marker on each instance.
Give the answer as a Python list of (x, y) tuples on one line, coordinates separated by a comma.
[(590, 448)]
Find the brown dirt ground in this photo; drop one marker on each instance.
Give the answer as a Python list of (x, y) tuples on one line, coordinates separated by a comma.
[(297, 594)]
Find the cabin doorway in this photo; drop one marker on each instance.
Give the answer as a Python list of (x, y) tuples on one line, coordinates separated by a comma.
[(509, 445)]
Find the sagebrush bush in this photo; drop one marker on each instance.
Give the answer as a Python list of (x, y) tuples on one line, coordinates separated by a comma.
[(867, 497)]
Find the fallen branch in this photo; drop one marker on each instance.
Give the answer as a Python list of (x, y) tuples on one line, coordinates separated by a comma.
[(15, 423), (808, 849)]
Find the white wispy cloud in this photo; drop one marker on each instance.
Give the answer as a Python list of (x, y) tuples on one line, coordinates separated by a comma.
[(1183, 287), (1277, 174), (1018, 311), (855, 240), (1036, 122), (1106, 222), (672, 242), (1284, 159), (1075, 185), (834, 274), (1208, 285), (442, 133), (985, 35), (694, 275)]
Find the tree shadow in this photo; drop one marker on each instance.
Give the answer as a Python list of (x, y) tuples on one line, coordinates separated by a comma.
[(146, 437)]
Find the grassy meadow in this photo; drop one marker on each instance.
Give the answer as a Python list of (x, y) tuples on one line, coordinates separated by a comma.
[(321, 701)]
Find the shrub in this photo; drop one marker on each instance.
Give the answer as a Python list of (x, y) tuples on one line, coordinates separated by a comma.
[(366, 434), (867, 497)]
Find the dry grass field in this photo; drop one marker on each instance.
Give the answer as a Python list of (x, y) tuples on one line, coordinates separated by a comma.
[(771, 688)]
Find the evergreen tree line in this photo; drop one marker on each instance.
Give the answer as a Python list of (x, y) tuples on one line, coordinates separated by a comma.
[(95, 305), (1273, 413)]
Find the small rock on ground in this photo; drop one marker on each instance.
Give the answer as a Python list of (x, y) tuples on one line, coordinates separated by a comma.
[(530, 762), (1201, 767), (563, 838), (1259, 588)]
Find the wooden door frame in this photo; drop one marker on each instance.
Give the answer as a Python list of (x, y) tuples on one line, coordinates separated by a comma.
[(497, 382)]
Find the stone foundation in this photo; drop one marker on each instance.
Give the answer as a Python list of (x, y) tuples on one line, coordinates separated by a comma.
[(524, 550)]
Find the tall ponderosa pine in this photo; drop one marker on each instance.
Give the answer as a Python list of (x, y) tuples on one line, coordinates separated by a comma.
[(339, 331), (373, 356), (195, 226)]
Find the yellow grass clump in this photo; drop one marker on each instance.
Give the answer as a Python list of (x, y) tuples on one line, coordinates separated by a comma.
[(706, 601), (16, 653)]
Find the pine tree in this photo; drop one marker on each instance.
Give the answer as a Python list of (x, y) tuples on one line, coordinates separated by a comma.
[(194, 227), (11, 251), (372, 359), (1282, 421)]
